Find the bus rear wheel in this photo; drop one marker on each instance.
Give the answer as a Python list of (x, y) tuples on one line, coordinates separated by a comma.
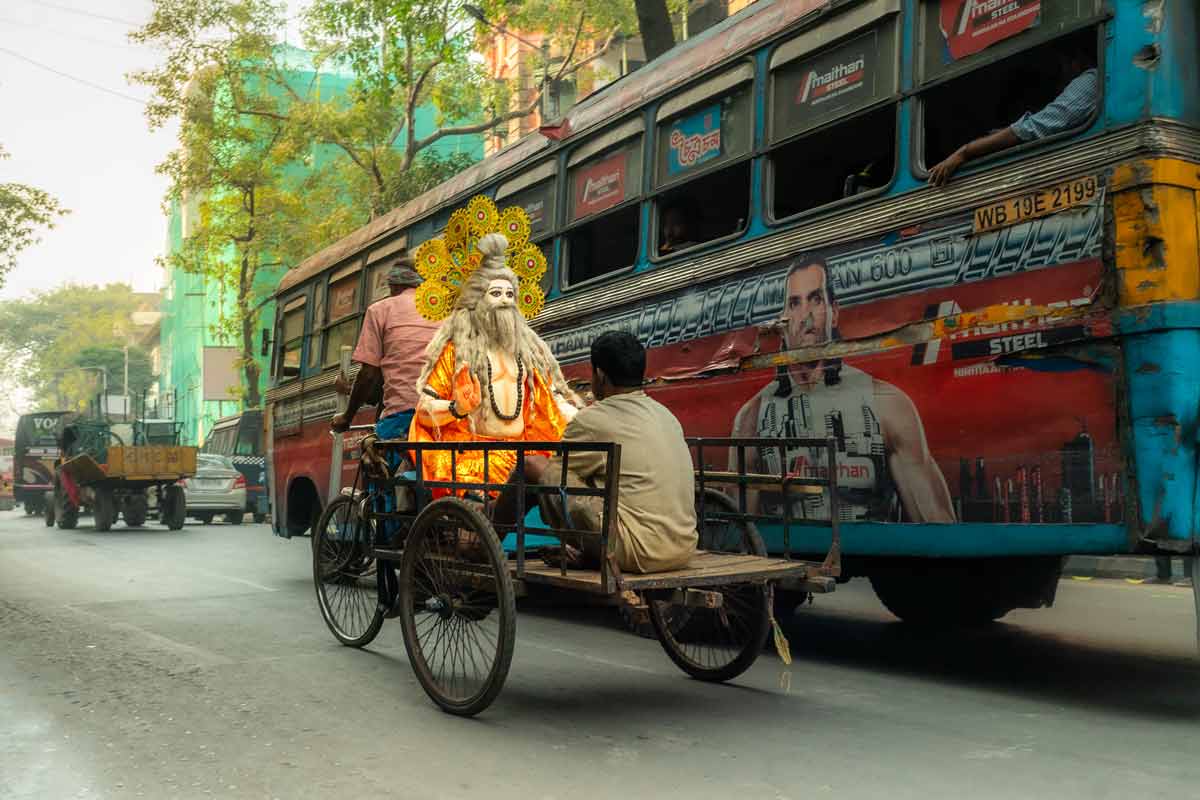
[(966, 593)]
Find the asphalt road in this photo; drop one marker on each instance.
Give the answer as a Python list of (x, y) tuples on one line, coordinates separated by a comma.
[(147, 663)]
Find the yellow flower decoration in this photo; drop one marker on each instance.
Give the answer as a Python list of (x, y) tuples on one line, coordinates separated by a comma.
[(446, 263), (432, 259), (529, 263), (484, 216), (434, 300), (514, 224), (530, 299), (458, 229)]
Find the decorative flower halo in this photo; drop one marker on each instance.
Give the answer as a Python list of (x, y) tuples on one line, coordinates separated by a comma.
[(446, 263)]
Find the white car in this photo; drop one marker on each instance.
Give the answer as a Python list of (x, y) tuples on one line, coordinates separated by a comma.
[(217, 489)]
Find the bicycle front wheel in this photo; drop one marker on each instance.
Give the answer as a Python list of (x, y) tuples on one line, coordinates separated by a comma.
[(344, 574)]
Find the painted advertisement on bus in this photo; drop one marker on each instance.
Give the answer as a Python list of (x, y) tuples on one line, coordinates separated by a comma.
[(965, 377)]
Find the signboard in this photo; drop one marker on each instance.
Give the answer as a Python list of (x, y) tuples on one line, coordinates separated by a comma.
[(600, 185), (694, 140), (343, 297), (834, 83), (969, 26), (221, 376)]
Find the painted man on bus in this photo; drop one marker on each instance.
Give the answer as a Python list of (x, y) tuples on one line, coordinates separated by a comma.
[(885, 470), (488, 377)]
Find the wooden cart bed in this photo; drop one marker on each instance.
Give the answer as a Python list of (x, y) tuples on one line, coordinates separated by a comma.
[(704, 569)]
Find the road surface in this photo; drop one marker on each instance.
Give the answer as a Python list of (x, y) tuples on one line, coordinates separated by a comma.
[(194, 664)]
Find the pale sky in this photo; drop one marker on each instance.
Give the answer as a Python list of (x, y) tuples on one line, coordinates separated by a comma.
[(90, 148)]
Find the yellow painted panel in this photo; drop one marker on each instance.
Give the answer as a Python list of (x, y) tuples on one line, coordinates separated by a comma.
[(157, 461), (1157, 231), (1170, 171)]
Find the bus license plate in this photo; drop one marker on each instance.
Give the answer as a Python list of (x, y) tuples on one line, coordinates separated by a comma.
[(1042, 203)]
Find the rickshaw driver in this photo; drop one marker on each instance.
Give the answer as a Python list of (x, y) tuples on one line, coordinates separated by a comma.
[(656, 511), (390, 352)]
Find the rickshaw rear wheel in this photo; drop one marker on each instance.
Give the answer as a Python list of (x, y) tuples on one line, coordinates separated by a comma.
[(457, 610), (717, 644), (173, 511), (343, 574), (714, 644)]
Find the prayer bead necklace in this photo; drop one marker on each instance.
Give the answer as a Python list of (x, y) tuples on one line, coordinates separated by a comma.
[(520, 391)]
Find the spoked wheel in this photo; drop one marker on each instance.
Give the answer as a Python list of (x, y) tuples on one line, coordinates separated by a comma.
[(458, 615), (344, 574), (721, 643), (714, 644)]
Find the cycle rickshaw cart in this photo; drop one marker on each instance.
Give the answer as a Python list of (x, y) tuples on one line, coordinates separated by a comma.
[(375, 558)]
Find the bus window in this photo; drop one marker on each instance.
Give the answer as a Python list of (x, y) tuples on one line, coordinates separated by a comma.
[(832, 126), (247, 441), (534, 191), (344, 296), (699, 134), (605, 179), (291, 337), (318, 332), (1024, 82), (379, 262)]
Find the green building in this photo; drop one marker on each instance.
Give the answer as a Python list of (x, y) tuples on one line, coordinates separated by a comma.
[(199, 381)]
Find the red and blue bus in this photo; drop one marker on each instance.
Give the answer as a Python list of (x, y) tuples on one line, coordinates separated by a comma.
[(1005, 361)]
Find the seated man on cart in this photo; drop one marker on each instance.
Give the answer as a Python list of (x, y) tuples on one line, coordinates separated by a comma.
[(656, 513), (488, 376)]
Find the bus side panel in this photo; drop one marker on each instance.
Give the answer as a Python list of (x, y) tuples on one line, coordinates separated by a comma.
[(1156, 219), (1164, 389), (972, 384)]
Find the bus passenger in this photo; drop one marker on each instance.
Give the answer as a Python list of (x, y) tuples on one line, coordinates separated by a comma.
[(678, 227), (884, 462), (656, 512), (1075, 105), (390, 352)]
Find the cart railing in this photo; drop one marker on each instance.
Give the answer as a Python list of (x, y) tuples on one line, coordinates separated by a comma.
[(416, 452), (732, 451), (703, 449)]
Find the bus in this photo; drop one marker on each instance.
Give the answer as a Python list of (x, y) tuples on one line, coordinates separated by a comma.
[(35, 450), (241, 438), (1005, 360)]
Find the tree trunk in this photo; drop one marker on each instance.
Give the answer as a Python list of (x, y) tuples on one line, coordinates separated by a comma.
[(250, 369), (654, 22)]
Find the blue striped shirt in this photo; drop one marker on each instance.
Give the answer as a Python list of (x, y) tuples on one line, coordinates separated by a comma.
[(1073, 107)]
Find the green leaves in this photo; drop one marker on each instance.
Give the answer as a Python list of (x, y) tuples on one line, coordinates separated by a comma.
[(24, 211)]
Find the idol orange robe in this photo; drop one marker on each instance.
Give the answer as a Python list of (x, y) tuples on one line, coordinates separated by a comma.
[(544, 422)]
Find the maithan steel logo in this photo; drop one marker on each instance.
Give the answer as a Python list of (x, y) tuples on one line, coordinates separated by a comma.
[(820, 86)]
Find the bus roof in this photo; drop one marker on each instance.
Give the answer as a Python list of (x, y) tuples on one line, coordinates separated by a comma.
[(755, 24)]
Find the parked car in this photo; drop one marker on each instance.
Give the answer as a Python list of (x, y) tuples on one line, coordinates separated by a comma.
[(217, 489), (241, 438)]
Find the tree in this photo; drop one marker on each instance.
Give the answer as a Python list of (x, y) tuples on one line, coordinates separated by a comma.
[(654, 22), (23, 211), (235, 145), (45, 340), (406, 55)]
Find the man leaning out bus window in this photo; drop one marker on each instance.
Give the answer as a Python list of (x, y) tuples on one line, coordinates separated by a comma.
[(1075, 105), (390, 352)]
